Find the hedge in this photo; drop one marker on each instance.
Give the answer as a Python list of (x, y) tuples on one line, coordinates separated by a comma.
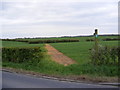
[(43, 41), (15, 40), (18, 55), (111, 39), (53, 41), (105, 55), (90, 40)]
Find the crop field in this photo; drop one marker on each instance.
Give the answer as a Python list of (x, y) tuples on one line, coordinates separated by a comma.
[(19, 44), (78, 51), (61, 38)]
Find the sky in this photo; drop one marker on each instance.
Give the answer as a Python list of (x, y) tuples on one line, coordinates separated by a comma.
[(55, 18)]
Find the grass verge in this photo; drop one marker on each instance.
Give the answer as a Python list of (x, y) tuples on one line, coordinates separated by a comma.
[(86, 72)]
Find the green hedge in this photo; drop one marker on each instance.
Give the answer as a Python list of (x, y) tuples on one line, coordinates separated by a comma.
[(17, 40), (34, 54), (111, 39), (90, 40), (105, 55), (43, 41), (53, 41)]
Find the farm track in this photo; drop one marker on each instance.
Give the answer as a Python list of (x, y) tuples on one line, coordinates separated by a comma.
[(58, 56)]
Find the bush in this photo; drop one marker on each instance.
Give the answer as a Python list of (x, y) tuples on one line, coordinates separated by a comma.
[(17, 40), (111, 39), (105, 55), (19, 55), (53, 41), (90, 40), (21, 40)]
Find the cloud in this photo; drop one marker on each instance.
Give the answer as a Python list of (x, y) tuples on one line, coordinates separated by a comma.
[(58, 17), (65, 1)]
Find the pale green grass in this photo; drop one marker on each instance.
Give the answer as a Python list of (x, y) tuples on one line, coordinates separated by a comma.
[(19, 44), (80, 51)]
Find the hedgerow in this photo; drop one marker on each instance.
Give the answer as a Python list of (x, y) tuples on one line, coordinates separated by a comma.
[(53, 41), (90, 40), (105, 55), (19, 55), (111, 39)]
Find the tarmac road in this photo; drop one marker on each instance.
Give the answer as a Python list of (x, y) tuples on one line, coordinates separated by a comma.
[(14, 80)]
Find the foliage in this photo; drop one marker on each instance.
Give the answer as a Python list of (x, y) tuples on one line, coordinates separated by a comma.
[(19, 44), (15, 40), (49, 67), (90, 40), (53, 41), (111, 39), (78, 51), (105, 55), (22, 54)]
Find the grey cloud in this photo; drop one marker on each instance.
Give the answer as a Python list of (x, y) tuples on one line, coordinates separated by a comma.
[(83, 14)]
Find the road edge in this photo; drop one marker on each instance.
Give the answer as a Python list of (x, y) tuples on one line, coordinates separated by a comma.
[(39, 75)]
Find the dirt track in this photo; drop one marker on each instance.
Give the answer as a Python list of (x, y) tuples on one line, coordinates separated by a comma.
[(58, 56)]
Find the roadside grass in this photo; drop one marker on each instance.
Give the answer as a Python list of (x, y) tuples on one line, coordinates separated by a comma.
[(49, 67)]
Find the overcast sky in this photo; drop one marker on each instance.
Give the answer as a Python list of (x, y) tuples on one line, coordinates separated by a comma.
[(47, 18)]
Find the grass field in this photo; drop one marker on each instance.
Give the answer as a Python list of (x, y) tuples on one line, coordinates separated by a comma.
[(82, 39), (79, 51), (19, 44)]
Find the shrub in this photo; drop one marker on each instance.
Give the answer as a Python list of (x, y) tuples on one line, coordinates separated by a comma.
[(111, 39), (105, 55), (17, 40), (21, 40), (90, 40), (33, 42), (53, 41), (19, 55)]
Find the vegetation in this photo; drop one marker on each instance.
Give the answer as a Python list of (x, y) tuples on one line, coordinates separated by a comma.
[(22, 54), (105, 55), (53, 41), (90, 40), (81, 38), (78, 51), (47, 66), (111, 39), (19, 44)]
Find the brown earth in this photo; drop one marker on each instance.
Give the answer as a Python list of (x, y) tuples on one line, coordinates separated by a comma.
[(58, 56)]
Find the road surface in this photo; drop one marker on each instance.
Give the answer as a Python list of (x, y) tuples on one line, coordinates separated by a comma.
[(14, 80)]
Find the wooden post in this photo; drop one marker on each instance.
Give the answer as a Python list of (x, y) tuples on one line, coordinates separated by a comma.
[(96, 40)]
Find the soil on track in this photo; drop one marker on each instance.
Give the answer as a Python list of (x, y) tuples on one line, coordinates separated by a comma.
[(58, 56)]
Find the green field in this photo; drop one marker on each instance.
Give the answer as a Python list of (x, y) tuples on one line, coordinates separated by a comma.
[(59, 38), (79, 51), (19, 44)]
